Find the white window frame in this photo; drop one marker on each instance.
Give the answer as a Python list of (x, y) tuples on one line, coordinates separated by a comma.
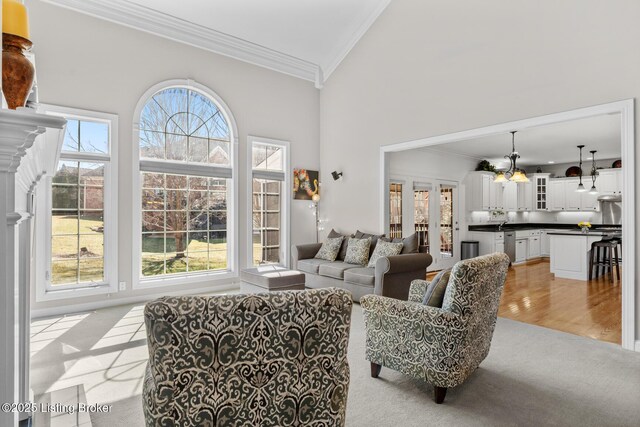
[(210, 277), (44, 290), (285, 177)]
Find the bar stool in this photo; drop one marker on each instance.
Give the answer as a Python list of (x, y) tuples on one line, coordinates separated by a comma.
[(606, 260)]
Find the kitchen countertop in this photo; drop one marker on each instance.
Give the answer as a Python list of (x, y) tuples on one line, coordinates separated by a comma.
[(492, 228), (590, 233)]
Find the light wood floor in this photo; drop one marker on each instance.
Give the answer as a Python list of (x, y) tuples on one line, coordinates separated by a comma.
[(590, 309)]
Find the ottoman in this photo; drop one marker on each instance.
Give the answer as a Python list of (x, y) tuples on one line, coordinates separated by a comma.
[(270, 278)]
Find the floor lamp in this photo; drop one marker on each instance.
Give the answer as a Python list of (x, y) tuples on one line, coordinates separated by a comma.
[(316, 198)]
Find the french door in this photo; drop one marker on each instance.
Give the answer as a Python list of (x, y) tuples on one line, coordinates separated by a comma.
[(444, 229)]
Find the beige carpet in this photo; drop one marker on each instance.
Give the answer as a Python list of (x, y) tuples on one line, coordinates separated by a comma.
[(532, 377)]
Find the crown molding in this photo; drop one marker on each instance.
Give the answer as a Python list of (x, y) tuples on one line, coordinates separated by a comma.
[(338, 55), (163, 25)]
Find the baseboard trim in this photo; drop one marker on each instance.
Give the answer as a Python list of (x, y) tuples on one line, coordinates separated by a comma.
[(80, 308)]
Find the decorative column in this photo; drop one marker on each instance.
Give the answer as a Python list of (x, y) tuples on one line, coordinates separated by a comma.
[(25, 156)]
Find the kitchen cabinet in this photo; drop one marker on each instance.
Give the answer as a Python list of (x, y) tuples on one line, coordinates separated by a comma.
[(556, 195), (482, 193), (534, 246), (572, 199), (544, 243), (488, 242), (609, 181), (510, 196), (564, 197), (525, 197), (521, 250), (540, 183)]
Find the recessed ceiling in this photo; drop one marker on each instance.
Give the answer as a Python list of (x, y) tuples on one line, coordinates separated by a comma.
[(317, 32), (540, 145)]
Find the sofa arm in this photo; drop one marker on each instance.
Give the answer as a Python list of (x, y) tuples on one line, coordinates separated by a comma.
[(307, 251), (394, 274)]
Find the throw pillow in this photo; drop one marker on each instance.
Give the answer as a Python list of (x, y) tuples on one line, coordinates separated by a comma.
[(410, 244), (343, 248), (435, 291), (358, 251), (374, 239), (329, 249), (384, 249)]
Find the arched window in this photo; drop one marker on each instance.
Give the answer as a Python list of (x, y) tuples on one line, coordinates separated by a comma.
[(186, 157)]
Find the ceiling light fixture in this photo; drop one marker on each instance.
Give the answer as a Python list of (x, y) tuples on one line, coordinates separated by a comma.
[(580, 188), (594, 173), (513, 174)]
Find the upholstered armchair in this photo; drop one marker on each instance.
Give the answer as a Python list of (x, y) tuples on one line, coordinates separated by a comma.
[(442, 346), (276, 359)]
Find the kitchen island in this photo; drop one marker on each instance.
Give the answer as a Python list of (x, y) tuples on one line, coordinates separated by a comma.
[(570, 251)]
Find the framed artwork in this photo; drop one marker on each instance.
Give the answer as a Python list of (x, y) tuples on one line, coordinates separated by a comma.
[(305, 184)]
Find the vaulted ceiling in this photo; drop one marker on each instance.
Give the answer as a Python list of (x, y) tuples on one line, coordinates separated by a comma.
[(304, 38)]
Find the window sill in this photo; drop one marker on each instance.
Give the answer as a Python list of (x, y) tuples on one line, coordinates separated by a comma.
[(60, 294), (208, 277)]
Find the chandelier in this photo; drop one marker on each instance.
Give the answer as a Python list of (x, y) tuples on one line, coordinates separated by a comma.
[(513, 174)]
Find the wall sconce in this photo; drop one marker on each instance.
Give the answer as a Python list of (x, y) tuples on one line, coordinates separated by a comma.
[(336, 175)]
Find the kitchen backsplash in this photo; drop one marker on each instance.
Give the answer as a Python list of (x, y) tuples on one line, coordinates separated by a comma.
[(537, 217)]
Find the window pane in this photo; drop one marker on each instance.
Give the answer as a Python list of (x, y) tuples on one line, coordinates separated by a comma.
[(151, 145), (77, 234), (152, 199), (70, 142), (267, 157), (153, 180), (91, 222), (218, 152), (395, 210), (63, 272), (91, 270), (198, 150), (266, 220), (195, 219), (94, 137)]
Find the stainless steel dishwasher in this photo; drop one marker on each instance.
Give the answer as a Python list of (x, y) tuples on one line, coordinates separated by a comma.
[(510, 245)]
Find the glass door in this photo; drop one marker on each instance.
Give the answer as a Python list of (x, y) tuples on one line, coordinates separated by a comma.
[(445, 231), (421, 193)]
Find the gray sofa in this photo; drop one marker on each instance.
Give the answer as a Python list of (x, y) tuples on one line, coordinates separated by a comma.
[(391, 277)]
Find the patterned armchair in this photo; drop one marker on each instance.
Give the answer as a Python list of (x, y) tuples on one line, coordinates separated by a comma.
[(276, 359), (440, 345)]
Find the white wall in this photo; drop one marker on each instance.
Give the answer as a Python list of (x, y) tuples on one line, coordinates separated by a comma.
[(92, 64), (428, 68)]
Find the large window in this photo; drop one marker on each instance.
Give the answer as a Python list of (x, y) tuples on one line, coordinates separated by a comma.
[(81, 229), (186, 171), (269, 169)]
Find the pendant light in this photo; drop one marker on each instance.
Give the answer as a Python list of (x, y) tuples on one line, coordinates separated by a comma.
[(594, 173), (513, 174), (580, 188)]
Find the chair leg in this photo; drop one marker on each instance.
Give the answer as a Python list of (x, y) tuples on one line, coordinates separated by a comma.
[(438, 394), (610, 253), (375, 370), (617, 262)]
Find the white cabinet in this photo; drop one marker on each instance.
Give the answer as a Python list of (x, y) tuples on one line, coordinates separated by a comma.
[(534, 246), (500, 246), (510, 196), (609, 181), (556, 195), (488, 242), (544, 243), (482, 193), (572, 199), (521, 250), (525, 196), (540, 183), (589, 202), (564, 197)]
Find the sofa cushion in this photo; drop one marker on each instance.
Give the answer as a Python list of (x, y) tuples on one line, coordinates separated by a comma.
[(358, 251), (409, 244), (434, 296), (374, 239), (335, 269), (330, 249), (311, 265), (361, 276), (343, 248), (384, 249)]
